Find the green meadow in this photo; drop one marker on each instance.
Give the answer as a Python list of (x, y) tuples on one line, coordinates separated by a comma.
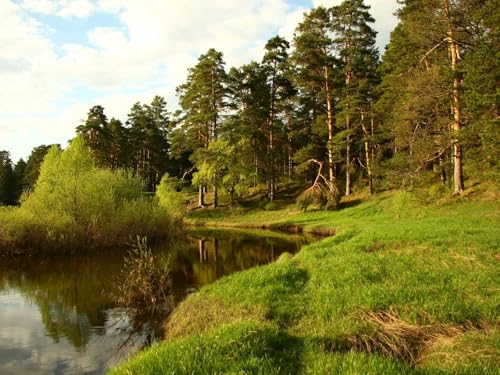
[(402, 287)]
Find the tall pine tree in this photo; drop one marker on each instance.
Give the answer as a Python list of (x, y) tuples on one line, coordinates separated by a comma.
[(203, 102)]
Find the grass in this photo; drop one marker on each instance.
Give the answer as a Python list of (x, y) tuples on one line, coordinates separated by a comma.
[(402, 288)]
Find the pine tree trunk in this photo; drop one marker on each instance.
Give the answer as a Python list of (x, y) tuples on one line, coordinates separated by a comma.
[(201, 196), (442, 171), (456, 105), (348, 138), (272, 186), (255, 163), (348, 158), (289, 145), (271, 172), (330, 121), (216, 198), (367, 156)]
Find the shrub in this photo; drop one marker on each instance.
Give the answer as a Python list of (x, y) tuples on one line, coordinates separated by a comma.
[(76, 206), (169, 197), (144, 284), (271, 206), (317, 198)]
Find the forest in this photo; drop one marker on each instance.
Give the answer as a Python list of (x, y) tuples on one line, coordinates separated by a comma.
[(323, 109)]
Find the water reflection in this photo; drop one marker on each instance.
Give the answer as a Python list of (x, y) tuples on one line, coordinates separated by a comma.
[(56, 315), (26, 348), (213, 254)]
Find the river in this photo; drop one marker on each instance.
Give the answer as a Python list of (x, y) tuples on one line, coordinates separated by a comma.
[(57, 315)]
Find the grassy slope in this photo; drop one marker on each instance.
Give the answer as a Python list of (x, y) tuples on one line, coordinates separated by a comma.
[(401, 289)]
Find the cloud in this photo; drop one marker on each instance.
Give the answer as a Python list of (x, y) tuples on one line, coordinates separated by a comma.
[(25, 55), (60, 8), (291, 21), (31, 351)]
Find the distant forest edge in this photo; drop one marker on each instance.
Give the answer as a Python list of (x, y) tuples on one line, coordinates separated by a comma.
[(323, 109)]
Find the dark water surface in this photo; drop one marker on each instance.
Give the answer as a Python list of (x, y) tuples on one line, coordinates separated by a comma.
[(57, 316)]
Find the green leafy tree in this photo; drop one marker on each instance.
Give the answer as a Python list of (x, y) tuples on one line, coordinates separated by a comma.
[(32, 170), (223, 165), (71, 185), (170, 197)]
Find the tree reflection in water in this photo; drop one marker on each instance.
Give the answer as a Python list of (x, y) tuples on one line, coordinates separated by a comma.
[(72, 294)]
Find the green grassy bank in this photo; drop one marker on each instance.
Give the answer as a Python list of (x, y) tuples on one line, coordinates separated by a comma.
[(402, 288)]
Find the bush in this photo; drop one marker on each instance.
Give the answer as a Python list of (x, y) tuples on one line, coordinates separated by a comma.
[(76, 206), (271, 206), (169, 196), (319, 199), (144, 284)]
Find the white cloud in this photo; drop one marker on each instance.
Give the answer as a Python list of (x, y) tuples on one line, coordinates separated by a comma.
[(75, 8), (24, 333), (24, 57), (61, 8), (291, 21), (39, 6)]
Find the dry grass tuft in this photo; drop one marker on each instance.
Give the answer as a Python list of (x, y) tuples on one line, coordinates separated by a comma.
[(469, 346), (394, 337), (199, 314)]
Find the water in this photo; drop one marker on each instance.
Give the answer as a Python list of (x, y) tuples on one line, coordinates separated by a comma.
[(57, 315)]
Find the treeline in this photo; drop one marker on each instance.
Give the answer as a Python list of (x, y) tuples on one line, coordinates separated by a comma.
[(19, 177), (141, 145), (325, 108)]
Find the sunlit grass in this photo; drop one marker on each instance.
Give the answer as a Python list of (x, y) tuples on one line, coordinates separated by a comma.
[(402, 288)]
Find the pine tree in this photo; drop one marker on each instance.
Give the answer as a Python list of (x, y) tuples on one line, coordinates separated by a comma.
[(276, 62), (315, 75), (203, 102), (120, 148), (424, 85), (19, 172), (96, 134), (7, 180), (249, 98), (442, 31), (148, 141), (481, 94), (354, 43)]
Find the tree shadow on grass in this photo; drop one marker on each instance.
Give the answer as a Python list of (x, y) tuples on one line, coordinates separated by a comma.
[(349, 204), (285, 305), (239, 348)]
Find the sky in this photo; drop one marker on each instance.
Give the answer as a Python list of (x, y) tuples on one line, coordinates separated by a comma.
[(61, 57)]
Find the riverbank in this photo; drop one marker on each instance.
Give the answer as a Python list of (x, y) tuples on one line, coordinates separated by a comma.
[(401, 288)]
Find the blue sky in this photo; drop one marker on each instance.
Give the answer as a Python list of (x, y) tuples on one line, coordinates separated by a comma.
[(61, 57)]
